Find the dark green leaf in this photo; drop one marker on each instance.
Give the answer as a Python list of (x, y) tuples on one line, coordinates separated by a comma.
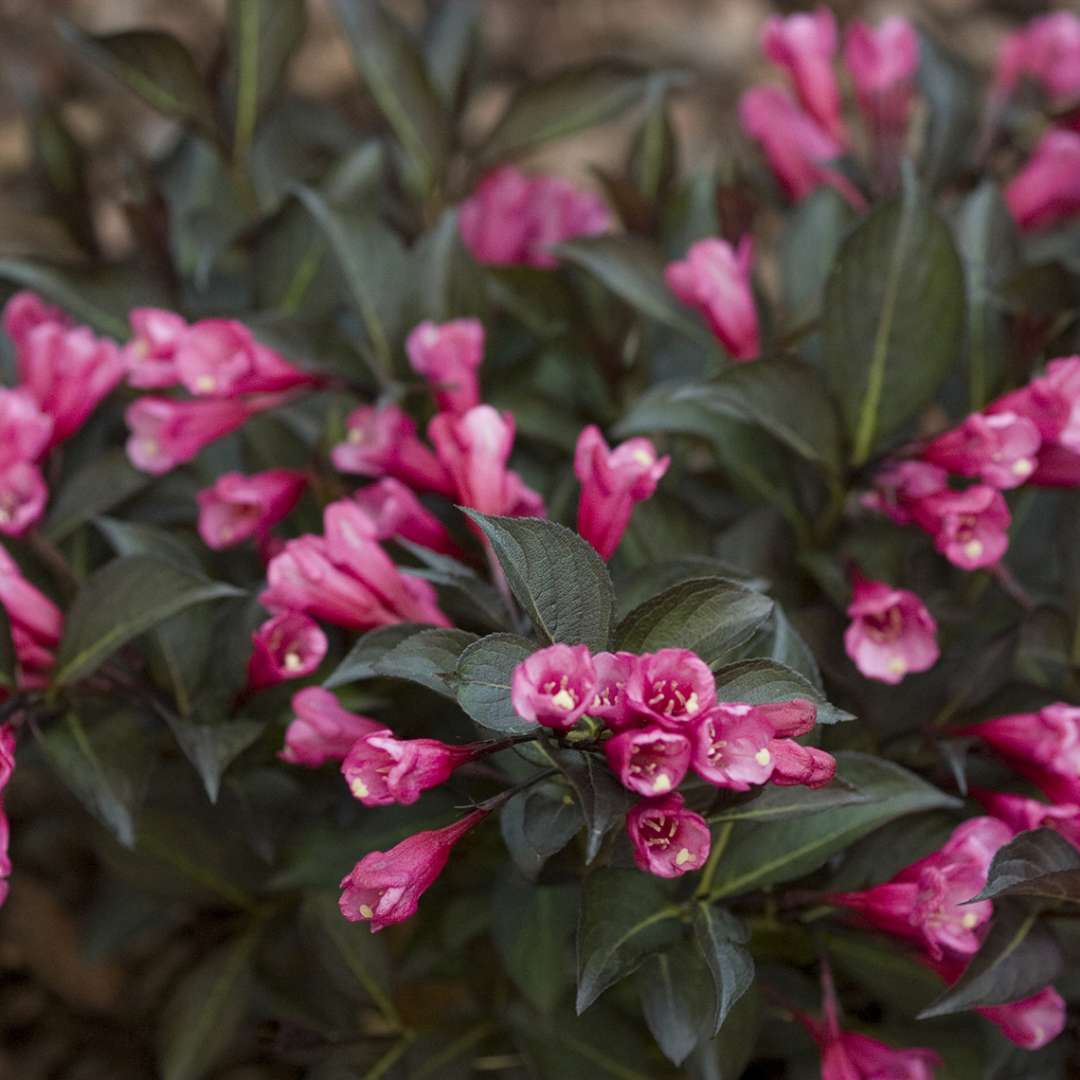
[(602, 799), (955, 97), (532, 927), (206, 1010), (137, 538), (450, 41), (96, 488), (653, 163), (479, 597), (812, 235), (711, 616), (1018, 957), (538, 823), (785, 397), (896, 292), (563, 103), (396, 76), (634, 271), (559, 580), (775, 803), (625, 917), (675, 990), (153, 65), (73, 290), (213, 747), (427, 658), (726, 1056), (765, 853), (7, 652), (763, 681), (363, 658), (722, 940), (663, 409), (635, 588), (1041, 866), (126, 598), (483, 673)]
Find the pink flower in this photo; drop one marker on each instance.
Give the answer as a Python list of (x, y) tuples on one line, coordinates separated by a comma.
[(610, 703), (668, 839), (732, 747), (883, 65), (1047, 189), (288, 646), (221, 358), (382, 441), (7, 767), (25, 431), (1047, 51), (513, 219), (36, 622), (1057, 467), (891, 632), (1022, 814), (999, 448), (397, 513), (166, 433), (23, 496), (238, 507), (474, 449), (1043, 746), (970, 528), (448, 356), (67, 371), (150, 354), (672, 686), (554, 686), (715, 279), (804, 45), (385, 887), (382, 770), (649, 761), (26, 311), (1061, 382), (612, 481), (797, 148), (795, 764), (898, 487), (926, 902), (788, 718), (1032, 1022), (322, 730)]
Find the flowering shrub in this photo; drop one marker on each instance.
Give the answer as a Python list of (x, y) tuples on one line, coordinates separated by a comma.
[(643, 605)]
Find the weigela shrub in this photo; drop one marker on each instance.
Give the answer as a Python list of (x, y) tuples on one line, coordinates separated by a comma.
[(661, 597)]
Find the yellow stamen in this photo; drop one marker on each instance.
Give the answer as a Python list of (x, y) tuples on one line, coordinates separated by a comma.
[(662, 783), (293, 661), (898, 665), (359, 788), (973, 549), (683, 857), (1023, 466), (763, 757), (205, 383), (366, 911), (970, 921), (563, 700)]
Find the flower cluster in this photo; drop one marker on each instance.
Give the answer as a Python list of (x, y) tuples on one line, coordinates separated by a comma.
[(36, 624), (660, 719), (1030, 435)]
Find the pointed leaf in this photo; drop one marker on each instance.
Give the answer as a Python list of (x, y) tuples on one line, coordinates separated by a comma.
[(602, 798), (99, 486), (722, 940), (675, 991), (775, 803), (427, 658), (71, 289), (762, 681), (483, 676), (536, 824), (1040, 866), (362, 660), (212, 748)]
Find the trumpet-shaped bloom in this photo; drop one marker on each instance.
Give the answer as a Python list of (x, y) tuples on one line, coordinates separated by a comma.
[(448, 356), (1047, 189), (668, 840), (554, 686), (1000, 448), (649, 761), (288, 646), (238, 507), (322, 730), (891, 633), (382, 770), (150, 355)]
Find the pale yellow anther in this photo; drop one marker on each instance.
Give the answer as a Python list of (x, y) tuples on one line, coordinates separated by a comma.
[(366, 911), (898, 665), (970, 921), (973, 549), (355, 435), (293, 661), (6, 515), (683, 857), (150, 447), (359, 788), (1023, 466), (763, 757), (692, 704), (205, 383), (662, 783), (563, 700), (643, 457)]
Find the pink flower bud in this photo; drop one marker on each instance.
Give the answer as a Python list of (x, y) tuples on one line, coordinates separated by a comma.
[(554, 686), (612, 482), (883, 65), (798, 149), (67, 371), (668, 839), (1032, 1022), (474, 449), (1057, 468), (382, 770), (221, 358), (7, 767), (512, 219), (926, 902), (1047, 51), (1022, 814), (891, 632), (448, 356), (322, 731), (23, 496), (970, 528), (610, 703), (731, 747), (238, 507), (1047, 188), (397, 513), (898, 487), (382, 441), (1043, 746), (288, 646), (804, 45), (649, 761), (25, 431), (999, 448), (795, 764), (672, 686), (385, 887), (26, 311), (715, 279), (166, 433), (788, 719), (150, 354)]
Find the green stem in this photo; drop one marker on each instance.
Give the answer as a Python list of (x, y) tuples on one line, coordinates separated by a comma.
[(390, 1058), (723, 834), (467, 1041)]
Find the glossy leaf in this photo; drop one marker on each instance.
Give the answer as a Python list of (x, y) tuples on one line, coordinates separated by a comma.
[(213, 747), (429, 658), (675, 990), (559, 580), (722, 940), (537, 824), (813, 232), (362, 660), (1040, 866), (98, 487), (763, 681), (775, 803), (483, 682), (603, 800)]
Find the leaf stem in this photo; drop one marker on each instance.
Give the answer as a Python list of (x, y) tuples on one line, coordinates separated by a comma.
[(723, 834)]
